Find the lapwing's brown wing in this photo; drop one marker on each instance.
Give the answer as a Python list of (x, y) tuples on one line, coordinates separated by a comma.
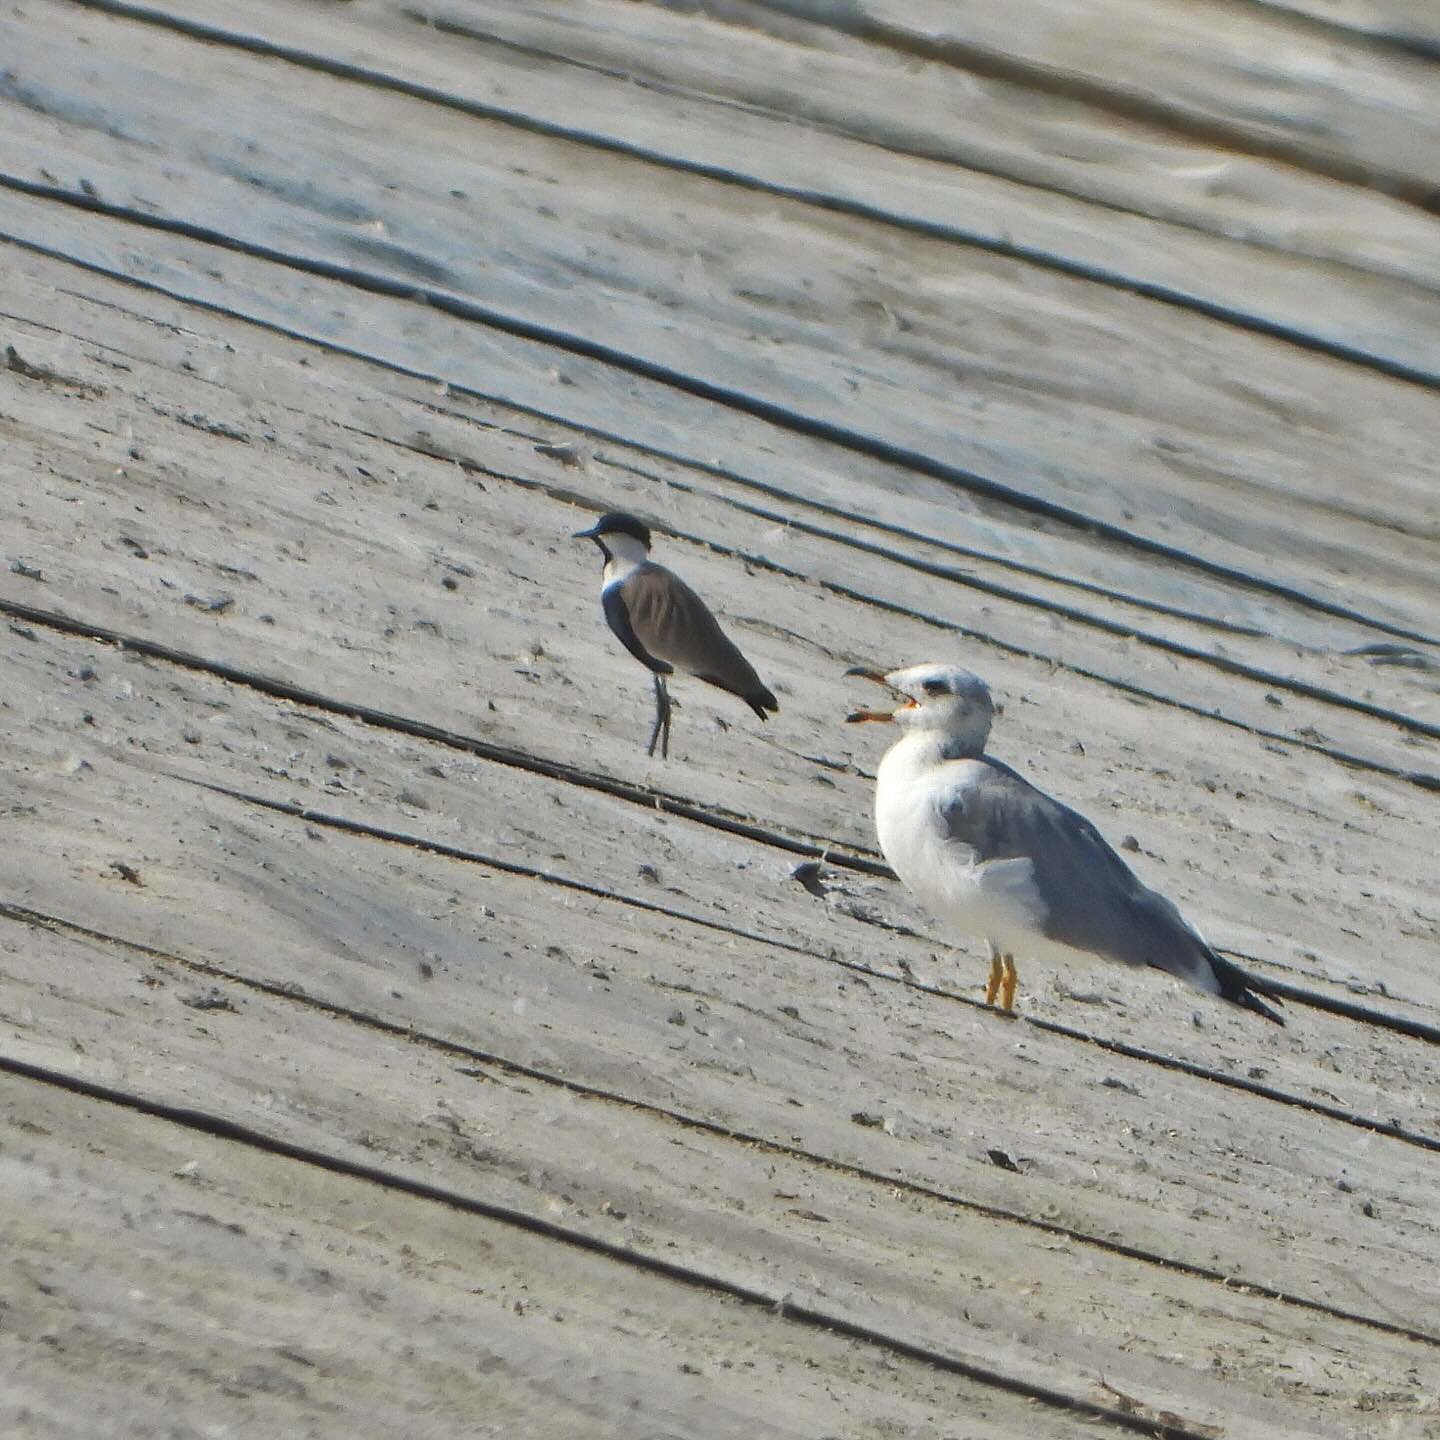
[(672, 624)]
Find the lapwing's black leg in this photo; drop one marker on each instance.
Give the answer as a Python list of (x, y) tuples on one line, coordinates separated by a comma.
[(661, 732)]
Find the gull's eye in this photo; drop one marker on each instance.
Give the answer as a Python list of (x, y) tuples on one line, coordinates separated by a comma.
[(933, 687)]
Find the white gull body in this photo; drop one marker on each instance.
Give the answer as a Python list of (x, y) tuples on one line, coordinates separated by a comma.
[(915, 791), (988, 852)]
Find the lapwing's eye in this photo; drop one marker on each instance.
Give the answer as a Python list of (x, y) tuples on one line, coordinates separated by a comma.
[(933, 687)]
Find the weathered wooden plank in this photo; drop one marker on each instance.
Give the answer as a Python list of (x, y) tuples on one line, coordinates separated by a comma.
[(774, 526), (165, 1281), (77, 556), (1275, 913), (276, 502), (528, 375), (767, 1222), (1259, 81), (578, 987), (1010, 569), (1026, 161), (1218, 427), (396, 637), (360, 776), (1410, 23)]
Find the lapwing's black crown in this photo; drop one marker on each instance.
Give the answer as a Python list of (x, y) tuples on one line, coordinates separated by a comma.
[(617, 522)]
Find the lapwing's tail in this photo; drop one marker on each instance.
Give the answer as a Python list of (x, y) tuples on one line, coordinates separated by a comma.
[(761, 701)]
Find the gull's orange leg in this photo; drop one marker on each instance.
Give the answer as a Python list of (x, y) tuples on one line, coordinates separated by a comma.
[(1008, 981), (992, 987)]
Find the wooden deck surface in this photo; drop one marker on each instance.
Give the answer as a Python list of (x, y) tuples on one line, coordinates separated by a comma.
[(387, 1047)]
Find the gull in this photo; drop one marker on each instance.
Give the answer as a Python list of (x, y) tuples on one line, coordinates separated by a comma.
[(664, 624), (982, 847)]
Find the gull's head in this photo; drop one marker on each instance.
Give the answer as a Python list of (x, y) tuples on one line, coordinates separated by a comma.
[(946, 700), (619, 536)]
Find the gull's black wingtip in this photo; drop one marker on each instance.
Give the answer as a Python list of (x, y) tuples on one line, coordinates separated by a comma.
[(1251, 1001), (1241, 989)]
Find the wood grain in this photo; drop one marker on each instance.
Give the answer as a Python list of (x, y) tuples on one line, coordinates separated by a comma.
[(723, 317), (386, 1044)]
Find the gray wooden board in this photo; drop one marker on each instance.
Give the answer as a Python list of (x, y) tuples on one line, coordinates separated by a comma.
[(1226, 887), (420, 425), (363, 552), (663, 1040), (81, 551), (1027, 163), (1008, 337), (163, 1281), (1307, 646), (1404, 21), (777, 465), (359, 774), (591, 394), (984, 1291), (1368, 114), (581, 986)]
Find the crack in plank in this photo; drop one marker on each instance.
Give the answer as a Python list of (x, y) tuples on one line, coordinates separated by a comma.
[(859, 860), (890, 1183), (1271, 679), (340, 823), (808, 1316), (783, 418), (1125, 103), (948, 233)]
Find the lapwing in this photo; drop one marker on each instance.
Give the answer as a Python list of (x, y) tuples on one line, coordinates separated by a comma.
[(664, 624), (987, 851)]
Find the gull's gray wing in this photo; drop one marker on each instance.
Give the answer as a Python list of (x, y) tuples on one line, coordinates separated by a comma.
[(672, 624), (1092, 899)]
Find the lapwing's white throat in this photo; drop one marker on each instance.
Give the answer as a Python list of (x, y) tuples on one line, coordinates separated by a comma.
[(982, 848), (664, 624)]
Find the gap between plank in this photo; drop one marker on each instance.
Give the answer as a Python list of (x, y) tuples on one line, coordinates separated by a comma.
[(884, 527), (1275, 680), (421, 445), (232, 1131), (293, 995), (858, 209), (1137, 105), (772, 412), (1003, 495), (1381, 35), (661, 802), (1272, 679), (934, 153), (420, 843), (1425, 780)]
